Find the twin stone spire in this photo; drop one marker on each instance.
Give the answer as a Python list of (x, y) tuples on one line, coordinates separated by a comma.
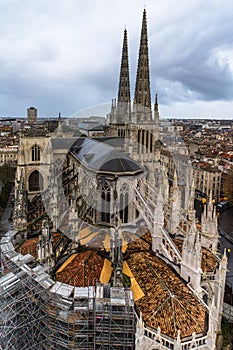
[(142, 96)]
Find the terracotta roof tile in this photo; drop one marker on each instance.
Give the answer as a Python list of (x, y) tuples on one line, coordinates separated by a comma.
[(83, 270), (168, 302), (139, 243), (209, 260), (30, 246)]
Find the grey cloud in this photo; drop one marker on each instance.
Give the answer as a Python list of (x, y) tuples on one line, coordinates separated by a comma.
[(67, 57), (189, 59)]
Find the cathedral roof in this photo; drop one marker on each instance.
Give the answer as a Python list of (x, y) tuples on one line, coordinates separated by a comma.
[(167, 302), (160, 294), (62, 142), (209, 260), (35, 131), (138, 243), (101, 157), (162, 297), (81, 269), (117, 142), (30, 245)]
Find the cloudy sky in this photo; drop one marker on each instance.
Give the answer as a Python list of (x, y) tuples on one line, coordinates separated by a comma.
[(64, 56)]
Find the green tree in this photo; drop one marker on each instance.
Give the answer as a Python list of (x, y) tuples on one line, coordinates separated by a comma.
[(6, 179), (226, 332), (6, 174)]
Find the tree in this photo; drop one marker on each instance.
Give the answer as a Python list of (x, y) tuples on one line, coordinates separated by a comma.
[(6, 179), (6, 174)]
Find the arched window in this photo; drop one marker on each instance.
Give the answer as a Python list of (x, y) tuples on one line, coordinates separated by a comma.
[(35, 181), (36, 153), (139, 134), (106, 198), (205, 295), (124, 202), (143, 137), (58, 167), (147, 140), (151, 142)]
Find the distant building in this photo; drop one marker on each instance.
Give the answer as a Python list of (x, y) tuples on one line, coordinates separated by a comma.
[(9, 155), (91, 129), (207, 179), (196, 127), (32, 115)]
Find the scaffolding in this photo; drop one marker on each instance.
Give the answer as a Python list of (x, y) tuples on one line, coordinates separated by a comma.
[(33, 318), (69, 321), (20, 317), (39, 313), (114, 318)]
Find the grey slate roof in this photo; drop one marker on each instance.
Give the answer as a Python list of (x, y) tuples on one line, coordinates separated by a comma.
[(112, 141), (101, 157), (63, 142)]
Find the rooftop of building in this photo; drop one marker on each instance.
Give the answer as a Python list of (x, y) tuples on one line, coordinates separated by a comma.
[(162, 297), (209, 260), (35, 131), (167, 302), (100, 157), (81, 269), (30, 245)]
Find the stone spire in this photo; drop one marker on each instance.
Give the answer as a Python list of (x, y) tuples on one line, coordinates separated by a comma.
[(209, 226), (142, 97), (157, 235), (139, 336), (156, 106), (45, 245), (124, 83), (120, 111), (20, 207), (220, 280), (116, 255)]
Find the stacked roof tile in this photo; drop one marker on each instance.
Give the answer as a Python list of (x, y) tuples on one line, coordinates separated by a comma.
[(209, 260), (83, 269), (168, 302)]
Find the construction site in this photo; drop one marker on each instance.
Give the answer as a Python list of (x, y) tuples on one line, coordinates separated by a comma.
[(38, 313)]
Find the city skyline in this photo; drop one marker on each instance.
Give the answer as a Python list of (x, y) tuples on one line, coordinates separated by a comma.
[(67, 58)]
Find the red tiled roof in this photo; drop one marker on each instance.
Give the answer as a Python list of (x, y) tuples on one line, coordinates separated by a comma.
[(83, 270), (168, 302), (209, 260), (30, 246)]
